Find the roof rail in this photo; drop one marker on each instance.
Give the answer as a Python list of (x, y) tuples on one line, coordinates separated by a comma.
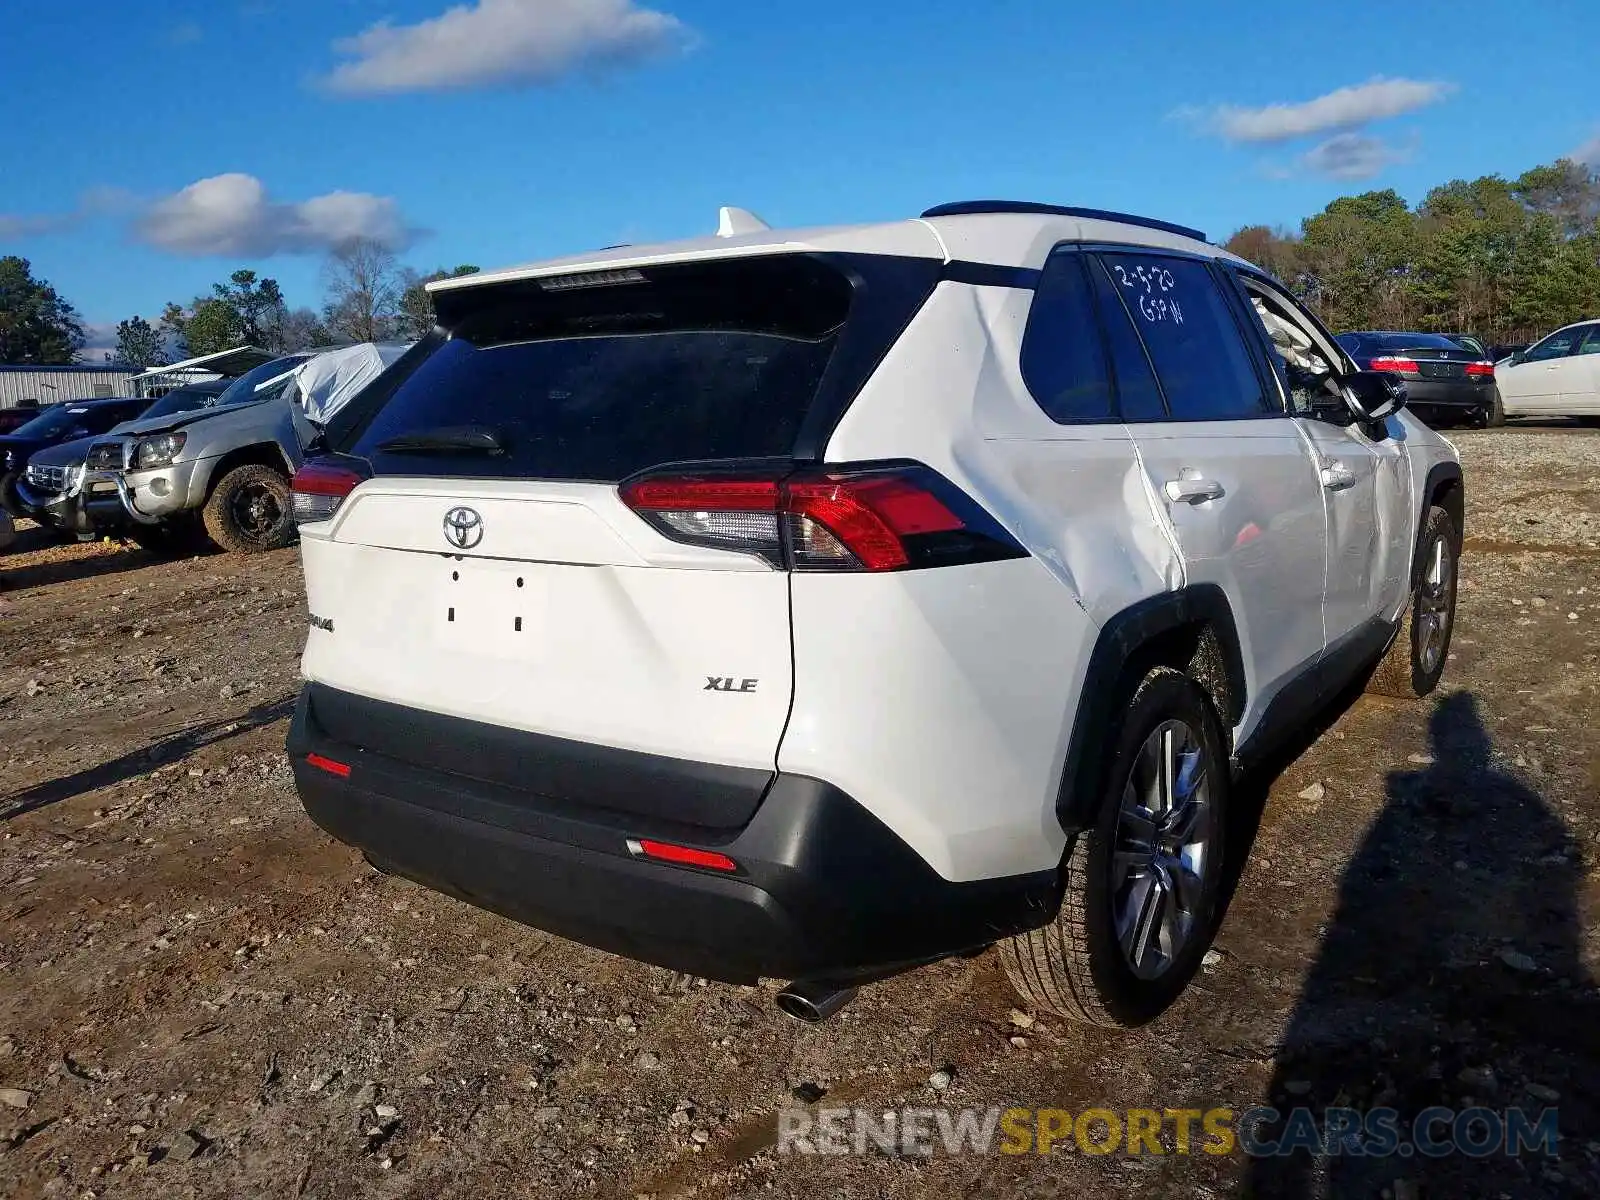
[(967, 208)]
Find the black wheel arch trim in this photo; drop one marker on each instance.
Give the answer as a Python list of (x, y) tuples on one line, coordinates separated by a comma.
[(1119, 644), (1440, 477)]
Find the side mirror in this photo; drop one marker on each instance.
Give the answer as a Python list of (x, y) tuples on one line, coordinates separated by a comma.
[(1373, 395), (1518, 357)]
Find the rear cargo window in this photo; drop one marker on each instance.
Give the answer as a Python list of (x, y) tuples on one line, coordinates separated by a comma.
[(596, 376)]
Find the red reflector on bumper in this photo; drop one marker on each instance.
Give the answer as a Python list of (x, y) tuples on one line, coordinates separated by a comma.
[(327, 764), (682, 855)]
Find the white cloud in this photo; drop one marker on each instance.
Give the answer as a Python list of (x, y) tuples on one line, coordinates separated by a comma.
[(99, 339), (233, 215), (1588, 153), (503, 43), (16, 226), (1351, 156), (1345, 109)]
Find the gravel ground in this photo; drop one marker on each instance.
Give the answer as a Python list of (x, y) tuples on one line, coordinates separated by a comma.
[(202, 995)]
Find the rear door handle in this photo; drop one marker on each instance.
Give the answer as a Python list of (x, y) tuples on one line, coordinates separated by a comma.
[(1336, 477), (1193, 491)]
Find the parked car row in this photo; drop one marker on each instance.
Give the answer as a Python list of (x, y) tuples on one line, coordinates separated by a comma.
[(211, 459), (1454, 378)]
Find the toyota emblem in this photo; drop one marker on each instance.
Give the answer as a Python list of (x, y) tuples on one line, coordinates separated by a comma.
[(463, 528)]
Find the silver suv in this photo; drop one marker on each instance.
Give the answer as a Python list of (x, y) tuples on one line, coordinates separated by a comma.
[(225, 469)]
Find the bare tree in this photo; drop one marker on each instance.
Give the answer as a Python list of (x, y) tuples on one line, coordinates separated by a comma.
[(363, 291)]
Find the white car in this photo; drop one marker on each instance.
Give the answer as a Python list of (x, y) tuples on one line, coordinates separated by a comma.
[(815, 604), (1556, 377)]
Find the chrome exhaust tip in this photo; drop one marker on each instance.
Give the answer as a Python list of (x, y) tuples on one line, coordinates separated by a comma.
[(815, 1001)]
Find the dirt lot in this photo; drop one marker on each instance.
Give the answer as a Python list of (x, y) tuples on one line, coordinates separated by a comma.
[(202, 995)]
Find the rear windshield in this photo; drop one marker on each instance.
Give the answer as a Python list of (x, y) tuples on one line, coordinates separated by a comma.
[(595, 377), (1413, 341)]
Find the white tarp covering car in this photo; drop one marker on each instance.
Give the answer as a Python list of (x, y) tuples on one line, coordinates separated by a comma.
[(332, 379)]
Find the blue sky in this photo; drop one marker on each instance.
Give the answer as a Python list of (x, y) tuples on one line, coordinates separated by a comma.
[(182, 140)]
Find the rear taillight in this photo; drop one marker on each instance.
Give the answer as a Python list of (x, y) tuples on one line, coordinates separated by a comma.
[(1389, 362), (874, 517), (319, 489), (1481, 369)]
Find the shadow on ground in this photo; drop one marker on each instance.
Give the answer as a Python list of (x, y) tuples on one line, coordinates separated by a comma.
[(137, 762), (1450, 976)]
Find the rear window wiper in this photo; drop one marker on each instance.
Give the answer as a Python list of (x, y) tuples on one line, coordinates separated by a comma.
[(451, 439)]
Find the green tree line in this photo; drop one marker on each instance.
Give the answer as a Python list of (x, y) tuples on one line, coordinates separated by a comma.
[(367, 296), (1508, 260)]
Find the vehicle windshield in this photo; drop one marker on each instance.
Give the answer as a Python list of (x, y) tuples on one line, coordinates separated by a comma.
[(244, 388), (53, 421), (181, 400)]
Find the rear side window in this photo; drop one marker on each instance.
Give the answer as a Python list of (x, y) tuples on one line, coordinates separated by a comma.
[(1195, 345), (1063, 362), (595, 377), (1138, 394)]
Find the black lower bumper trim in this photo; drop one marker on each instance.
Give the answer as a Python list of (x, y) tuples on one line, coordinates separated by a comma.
[(824, 889)]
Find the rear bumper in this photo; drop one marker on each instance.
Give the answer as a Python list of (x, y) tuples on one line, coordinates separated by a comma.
[(823, 889), (1454, 395)]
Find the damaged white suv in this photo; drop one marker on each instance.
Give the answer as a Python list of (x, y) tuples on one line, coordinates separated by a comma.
[(816, 604)]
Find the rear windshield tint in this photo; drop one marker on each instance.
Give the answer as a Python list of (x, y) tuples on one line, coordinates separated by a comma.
[(1415, 341), (597, 377)]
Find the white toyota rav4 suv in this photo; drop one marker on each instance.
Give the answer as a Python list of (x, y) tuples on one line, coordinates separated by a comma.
[(816, 604)]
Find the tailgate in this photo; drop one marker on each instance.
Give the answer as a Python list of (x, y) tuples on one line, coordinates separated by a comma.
[(570, 618)]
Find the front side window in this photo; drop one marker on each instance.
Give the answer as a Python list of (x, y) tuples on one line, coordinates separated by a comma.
[(1062, 360), (1306, 365), (1557, 345), (1195, 344)]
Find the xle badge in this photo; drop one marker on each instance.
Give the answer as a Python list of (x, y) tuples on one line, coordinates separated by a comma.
[(716, 683)]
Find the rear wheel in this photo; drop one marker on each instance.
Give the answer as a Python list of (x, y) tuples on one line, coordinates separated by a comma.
[(1415, 662), (1140, 900), (1494, 414), (250, 511)]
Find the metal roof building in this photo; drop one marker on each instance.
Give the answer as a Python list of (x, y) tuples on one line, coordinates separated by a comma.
[(49, 385)]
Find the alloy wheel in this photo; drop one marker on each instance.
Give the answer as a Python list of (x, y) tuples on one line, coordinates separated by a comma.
[(1435, 607), (1164, 850)]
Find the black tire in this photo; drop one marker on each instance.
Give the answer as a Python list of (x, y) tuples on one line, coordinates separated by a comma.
[(1077, 966), (250, 510), (1415, 661), (1494, 415)]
